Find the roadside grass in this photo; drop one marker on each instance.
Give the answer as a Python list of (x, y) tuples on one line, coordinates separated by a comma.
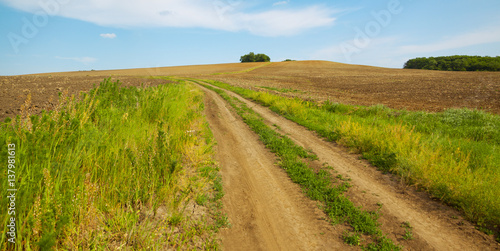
[(454, 155), (408, 230), (320, 186), (115, 168)]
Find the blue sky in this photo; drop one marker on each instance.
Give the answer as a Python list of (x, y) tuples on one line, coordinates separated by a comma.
[(69, 35)]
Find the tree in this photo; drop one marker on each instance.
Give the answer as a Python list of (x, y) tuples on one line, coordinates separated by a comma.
[(455, 63), (252, 57), (262, 58)]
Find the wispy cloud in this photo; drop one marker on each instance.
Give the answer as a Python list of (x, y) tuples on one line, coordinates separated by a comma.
[(483, 36), (225, 15), (280, 3), (281, 22), (108, 35), (84, 60)]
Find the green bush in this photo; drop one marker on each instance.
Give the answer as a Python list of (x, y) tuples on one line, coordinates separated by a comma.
[(252, 57)]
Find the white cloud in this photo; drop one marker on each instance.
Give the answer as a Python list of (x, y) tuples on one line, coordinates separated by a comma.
[(84, 60), (280, 22), (280, 3), (228, 15), (108, 35), (483, 36)]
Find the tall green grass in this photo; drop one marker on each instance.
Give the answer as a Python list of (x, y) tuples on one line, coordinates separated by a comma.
[(455, 155), (115, 168)]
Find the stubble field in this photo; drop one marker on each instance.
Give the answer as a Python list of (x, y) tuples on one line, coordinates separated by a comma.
[(318, 80), (365, 85)]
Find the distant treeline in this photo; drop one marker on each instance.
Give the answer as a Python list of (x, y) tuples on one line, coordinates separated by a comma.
[(455, 63)]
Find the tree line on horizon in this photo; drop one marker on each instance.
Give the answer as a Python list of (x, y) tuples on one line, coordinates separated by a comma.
[(455, 63)]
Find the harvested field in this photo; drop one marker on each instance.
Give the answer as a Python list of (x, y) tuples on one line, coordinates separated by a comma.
[(365, 85), (44, 88), (319, 80), (190, 70)]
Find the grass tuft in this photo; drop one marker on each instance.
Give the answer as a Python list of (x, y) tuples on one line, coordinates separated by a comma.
[(352, 238)]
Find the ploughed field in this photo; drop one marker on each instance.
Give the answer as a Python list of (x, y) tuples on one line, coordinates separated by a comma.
[(319, 80), (365, 85), (45, 88)]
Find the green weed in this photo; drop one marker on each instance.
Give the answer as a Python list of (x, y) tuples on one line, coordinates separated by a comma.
[(201, 199), (408, 230), (408, 234), (353, 239)]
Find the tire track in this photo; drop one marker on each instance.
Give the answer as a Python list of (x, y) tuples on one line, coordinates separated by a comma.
[(266, 210)]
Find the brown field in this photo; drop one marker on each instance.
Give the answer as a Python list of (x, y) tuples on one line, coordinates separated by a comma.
[(319, 80), (365, 85), (44, 88)]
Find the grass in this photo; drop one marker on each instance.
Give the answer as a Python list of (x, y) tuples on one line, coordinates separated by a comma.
[(320, 186), (454, 155), (114, 168), (408, 230), (353, 239)]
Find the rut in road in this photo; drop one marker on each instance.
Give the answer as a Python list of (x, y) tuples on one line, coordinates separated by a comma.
[(266, 210), (435, 226)]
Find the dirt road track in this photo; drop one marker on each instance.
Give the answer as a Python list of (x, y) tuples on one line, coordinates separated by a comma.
[(435, 226), (266, 210)]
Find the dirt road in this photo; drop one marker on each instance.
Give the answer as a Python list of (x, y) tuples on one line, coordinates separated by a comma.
[(268, 212)]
